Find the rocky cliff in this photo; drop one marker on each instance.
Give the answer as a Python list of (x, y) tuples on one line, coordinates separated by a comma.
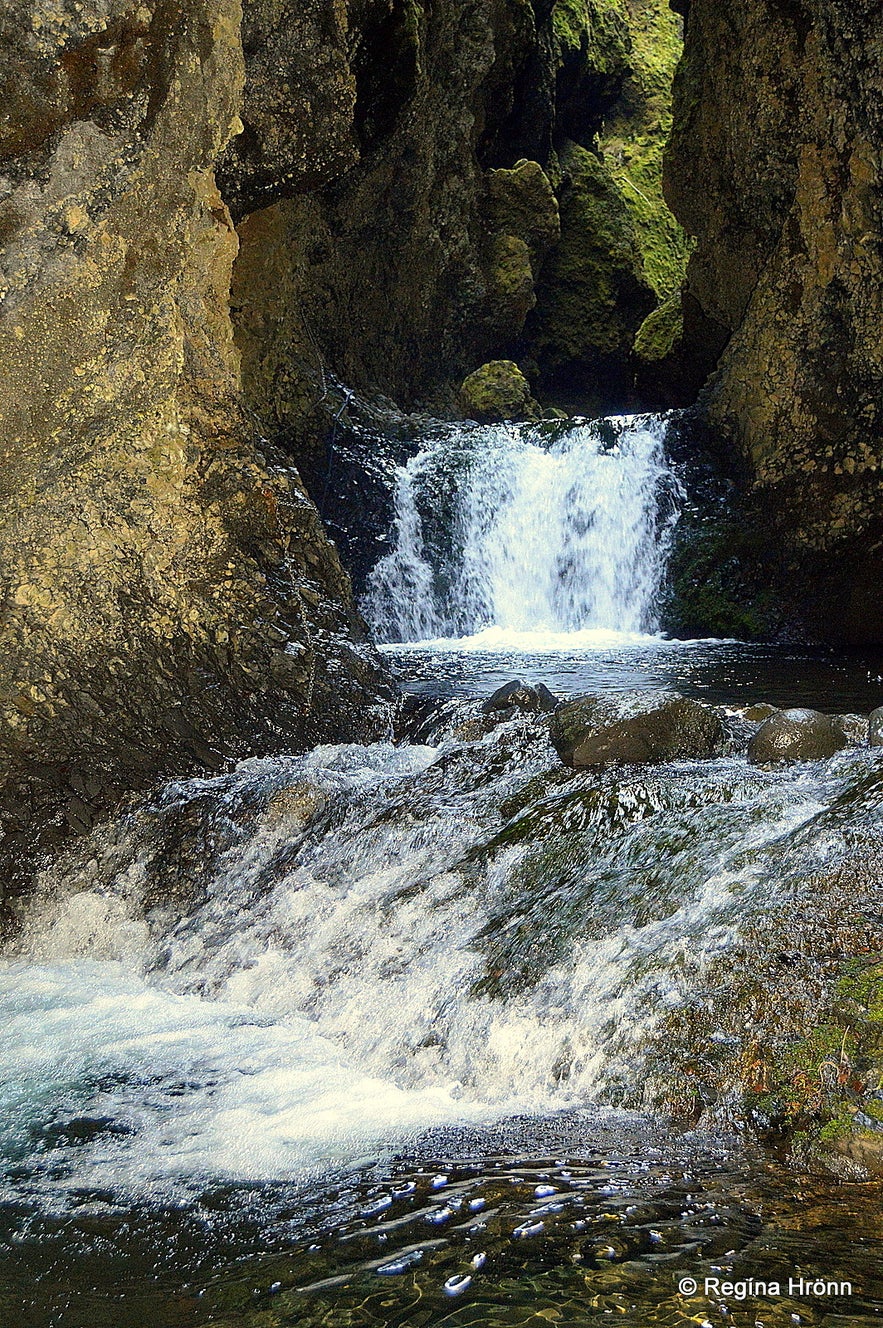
[(418, 189), (475, 183), (168, 595), (775, 167)]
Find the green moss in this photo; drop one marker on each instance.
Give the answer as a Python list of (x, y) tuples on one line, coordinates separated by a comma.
[(596, 29), (634, 140), (497, 391), (661, 331), (593, 296), (521, 202), (708, 593), (862, 986), (823, 1084)]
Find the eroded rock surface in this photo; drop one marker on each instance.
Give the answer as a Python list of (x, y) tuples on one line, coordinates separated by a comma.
[(775, 167), (169, 596)]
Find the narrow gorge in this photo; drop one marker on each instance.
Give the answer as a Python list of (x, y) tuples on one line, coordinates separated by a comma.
[(441, 663)]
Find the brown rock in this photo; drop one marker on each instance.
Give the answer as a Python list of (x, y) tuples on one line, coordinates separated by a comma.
[(678, 730)]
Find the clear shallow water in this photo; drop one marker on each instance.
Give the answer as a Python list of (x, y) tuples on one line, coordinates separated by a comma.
[(380, 942), (580, 1219)]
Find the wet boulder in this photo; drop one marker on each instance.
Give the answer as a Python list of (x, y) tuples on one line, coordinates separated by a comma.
[(875, 727), (797, 735), (855, 728), (520, 695), (679, 729), (757, 713)]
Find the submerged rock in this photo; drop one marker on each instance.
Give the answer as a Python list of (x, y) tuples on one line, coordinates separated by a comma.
[(520, 695), (678, 730), (797, 735), (855, 728)]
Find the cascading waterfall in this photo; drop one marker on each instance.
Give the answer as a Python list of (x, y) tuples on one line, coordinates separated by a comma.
[(376, 939), (528, 529)]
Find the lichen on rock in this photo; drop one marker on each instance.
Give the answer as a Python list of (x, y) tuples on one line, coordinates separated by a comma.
[(170, 598)]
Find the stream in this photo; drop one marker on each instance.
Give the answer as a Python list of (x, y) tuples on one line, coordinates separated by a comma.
[(395, 1034)]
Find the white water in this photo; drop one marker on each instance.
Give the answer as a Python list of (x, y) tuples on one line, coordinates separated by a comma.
[(504, 530), (321, 1003)]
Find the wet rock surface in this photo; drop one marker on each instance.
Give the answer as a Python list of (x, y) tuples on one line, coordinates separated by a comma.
[(521, 696), (797, 735), (680, 729)]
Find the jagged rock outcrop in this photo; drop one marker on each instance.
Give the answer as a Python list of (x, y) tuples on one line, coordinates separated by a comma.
[(168, 595), (775, 167)]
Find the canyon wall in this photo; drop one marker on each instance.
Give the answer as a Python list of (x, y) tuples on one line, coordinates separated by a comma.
[(169, 598), (775, 167)]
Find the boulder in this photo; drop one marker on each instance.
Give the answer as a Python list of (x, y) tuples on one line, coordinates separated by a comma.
[(855, 729), (760, 711), (797, 735), (498, 391), (519, 695), (875, 727), (678, 730)]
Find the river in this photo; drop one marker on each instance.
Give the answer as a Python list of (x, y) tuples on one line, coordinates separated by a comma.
[(393, 1034)]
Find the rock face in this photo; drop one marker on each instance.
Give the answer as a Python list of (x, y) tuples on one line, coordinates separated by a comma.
[(774, 166), (169, 597), (476, 185), (797, 735), (680, 729)]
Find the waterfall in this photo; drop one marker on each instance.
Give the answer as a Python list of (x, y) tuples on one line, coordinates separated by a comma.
[(550, 528)]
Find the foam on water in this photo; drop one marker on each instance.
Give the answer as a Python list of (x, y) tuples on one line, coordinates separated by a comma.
[(182, 1089), (329, 997), (508, 641)]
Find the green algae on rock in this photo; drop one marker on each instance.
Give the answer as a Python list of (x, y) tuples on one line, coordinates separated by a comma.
[(496, 392)]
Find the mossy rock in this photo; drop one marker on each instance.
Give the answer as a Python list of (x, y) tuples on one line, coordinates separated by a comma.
[(661, 332), (522, 202), (498, 391), (593, 296), (510, 287)]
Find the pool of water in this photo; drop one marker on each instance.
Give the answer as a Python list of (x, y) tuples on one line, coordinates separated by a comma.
[(724, 672), (586, 1218)]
